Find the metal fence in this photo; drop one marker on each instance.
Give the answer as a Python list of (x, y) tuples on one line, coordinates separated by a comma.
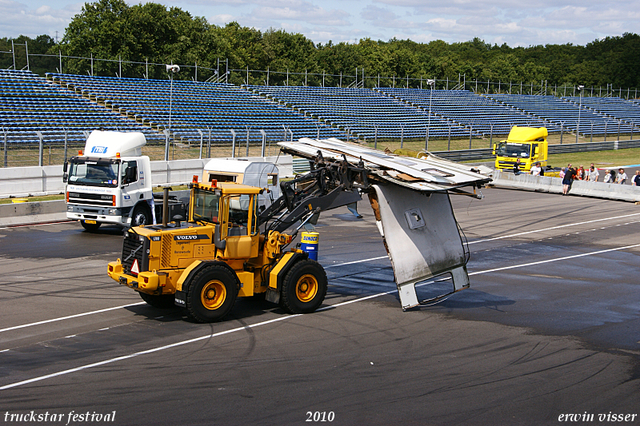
[(224, 72)]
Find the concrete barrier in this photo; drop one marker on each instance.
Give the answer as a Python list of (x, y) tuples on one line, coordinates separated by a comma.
[(47, 180), (610, 191), (38, 212)]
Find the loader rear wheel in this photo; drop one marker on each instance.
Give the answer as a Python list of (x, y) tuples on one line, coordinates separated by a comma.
[(162, 301), (304, 287), (212, 294)]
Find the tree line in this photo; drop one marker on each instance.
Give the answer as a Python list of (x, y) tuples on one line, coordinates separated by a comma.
[(123, 40)]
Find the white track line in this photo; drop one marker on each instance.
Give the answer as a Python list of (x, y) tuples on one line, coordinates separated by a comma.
[(331, 266), (283, 318), (99, 311), (553, 227)]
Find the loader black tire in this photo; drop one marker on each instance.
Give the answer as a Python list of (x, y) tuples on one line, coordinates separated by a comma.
[(163, 301), (304, 287), (212, 294)]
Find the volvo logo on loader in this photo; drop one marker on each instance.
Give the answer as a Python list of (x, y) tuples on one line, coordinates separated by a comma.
[(190, 237)]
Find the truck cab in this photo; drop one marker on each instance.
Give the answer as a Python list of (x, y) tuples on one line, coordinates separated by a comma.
[(525, 143), (110, 182)]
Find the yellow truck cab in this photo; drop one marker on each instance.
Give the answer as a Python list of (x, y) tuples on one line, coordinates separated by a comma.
[(529, 144)]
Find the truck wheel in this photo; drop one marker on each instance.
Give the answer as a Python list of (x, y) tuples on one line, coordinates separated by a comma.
[(162, 301), (140, 216), (91, 227), (212, 294), (304, 287)]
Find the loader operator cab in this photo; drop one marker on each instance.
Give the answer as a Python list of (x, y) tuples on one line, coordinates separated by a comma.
[(232, 208)]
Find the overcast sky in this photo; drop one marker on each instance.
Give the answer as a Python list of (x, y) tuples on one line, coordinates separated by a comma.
[(514, 22)]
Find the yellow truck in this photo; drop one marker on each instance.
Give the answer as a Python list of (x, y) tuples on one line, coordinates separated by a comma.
[(529, 144)]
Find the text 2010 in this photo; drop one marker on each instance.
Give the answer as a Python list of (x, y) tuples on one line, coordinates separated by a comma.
[(320, 416)]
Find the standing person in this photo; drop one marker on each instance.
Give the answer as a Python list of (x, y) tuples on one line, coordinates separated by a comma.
[(610, 176), (593, 174), (622, 177), (569, 174), (536, 169), (580, 174), (516, 167), (636, 179)]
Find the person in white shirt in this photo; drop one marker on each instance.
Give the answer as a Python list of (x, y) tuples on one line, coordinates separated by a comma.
[(622, 177), (536, 169), (593, 174)]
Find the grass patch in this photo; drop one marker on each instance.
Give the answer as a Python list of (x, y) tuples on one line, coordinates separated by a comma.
[(601, 159)]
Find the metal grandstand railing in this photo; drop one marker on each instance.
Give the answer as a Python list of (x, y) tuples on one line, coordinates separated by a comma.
[(63, 107)]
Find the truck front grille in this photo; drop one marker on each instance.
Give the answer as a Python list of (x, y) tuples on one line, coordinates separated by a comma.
[(135, 248), (91, 199)]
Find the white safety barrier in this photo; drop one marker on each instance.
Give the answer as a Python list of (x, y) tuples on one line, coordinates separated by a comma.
[(33, 181), (528, 182)]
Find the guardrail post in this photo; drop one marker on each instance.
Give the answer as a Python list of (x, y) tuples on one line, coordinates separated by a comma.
[(375, 136), (166, 145), (449, 139), (561, 131), (631, 138), (605, 130), (233, 143), (470, 135), (247, 134), (264, 142), (66, 134), (39, 134), (426, 139), (491, 136), (401, 135), (201, 142), (5, 146), (209, 143), (591, 137)]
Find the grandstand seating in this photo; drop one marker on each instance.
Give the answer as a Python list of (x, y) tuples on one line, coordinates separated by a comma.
[(613, 107), (75, 104), (366, 113), (480, 113), (185, 107), (29, 104), (565, 112)]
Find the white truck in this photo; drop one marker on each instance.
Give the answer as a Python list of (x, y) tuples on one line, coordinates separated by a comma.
[(111, 183)]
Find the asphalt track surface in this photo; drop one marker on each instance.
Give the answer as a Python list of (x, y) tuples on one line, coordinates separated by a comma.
[(550, 327)]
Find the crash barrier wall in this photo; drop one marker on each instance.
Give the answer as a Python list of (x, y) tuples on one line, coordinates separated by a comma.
[(46, 180), (611, 191), (25, 213)]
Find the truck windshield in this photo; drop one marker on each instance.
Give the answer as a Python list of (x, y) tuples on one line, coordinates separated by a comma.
[(89, 172), (510, 149), (205, 207)]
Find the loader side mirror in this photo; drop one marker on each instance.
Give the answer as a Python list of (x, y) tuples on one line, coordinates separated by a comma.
[(219, 243), (65, 168)]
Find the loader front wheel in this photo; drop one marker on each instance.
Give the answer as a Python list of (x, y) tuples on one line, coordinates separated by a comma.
[(163, 301), (212, 294), (304, 287)]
